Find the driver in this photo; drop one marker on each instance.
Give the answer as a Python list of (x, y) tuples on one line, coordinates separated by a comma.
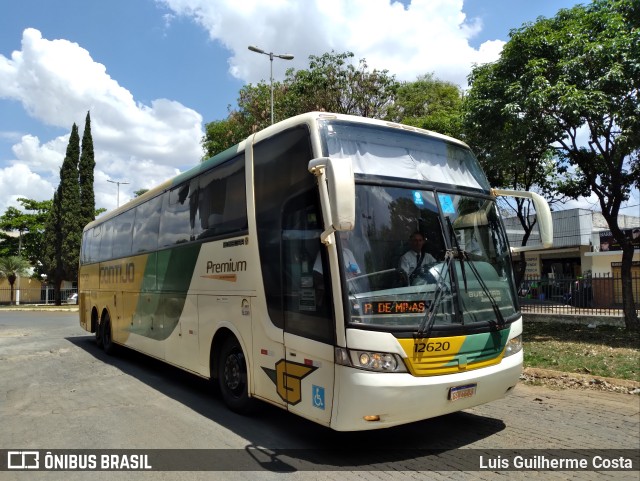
[(415, 257)]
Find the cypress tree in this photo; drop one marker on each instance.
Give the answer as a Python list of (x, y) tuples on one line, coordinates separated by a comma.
[(51, 255), (63, 230), (86, 167)]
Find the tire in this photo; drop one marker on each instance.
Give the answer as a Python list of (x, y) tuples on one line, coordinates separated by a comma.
[(107, 335), (99, 335), (232, 378)]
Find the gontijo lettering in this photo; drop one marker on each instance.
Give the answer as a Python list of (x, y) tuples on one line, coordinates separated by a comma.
[(117, 274)]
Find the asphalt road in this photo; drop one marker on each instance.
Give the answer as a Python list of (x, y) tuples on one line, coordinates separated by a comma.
[(59, 391)]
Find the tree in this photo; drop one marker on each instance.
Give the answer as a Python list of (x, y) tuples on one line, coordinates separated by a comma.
[(222, 134), (29, 223), (85, 170), (572, 76), (332, 84), (11, 267), (514, 153), (430, 104), (63, 230)]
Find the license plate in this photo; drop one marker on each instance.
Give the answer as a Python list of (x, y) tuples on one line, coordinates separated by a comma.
[(462, 392)]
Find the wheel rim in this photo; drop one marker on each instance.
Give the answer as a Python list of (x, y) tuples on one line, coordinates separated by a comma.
[(234, 373)]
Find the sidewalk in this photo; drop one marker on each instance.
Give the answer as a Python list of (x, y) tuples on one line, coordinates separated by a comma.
[(41, 307)]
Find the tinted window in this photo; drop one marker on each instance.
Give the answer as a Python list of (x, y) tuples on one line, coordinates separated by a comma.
[(123, 227), (86, 238), (106, 241), (93, 249), (222, 200), (177, 221), (307, 305), (145, 229)]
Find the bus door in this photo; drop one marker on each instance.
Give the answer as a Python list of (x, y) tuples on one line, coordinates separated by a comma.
[(308, 313), (289, 224)]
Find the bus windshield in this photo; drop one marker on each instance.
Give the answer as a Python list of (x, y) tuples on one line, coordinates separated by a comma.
[(463, 263), (458, 267), (401, 154)]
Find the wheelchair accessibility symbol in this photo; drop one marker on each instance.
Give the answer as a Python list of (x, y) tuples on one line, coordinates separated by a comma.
[(318, 396)]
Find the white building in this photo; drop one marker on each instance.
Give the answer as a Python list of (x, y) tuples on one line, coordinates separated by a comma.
[(581, 243)]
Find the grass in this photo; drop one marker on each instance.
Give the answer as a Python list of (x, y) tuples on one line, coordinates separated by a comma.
[(602, 351)]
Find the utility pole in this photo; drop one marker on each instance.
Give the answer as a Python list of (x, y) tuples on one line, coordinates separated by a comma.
[(284, 56), (118, 184)]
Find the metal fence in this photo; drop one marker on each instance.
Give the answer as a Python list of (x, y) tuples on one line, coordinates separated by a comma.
[(40, 295), (599, 294)]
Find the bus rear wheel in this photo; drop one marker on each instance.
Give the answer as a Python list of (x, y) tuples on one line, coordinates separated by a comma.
[(232, 377), (99, 335), (107, 335)]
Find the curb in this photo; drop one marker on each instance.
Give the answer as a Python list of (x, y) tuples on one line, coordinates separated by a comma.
[(583, 319), (633, 387)]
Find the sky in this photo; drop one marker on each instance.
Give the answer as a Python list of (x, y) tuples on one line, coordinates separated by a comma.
[(153, 72)]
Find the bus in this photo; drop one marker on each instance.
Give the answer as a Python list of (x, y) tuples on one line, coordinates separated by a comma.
[(272, 269)]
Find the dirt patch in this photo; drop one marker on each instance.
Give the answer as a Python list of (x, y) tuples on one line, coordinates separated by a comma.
[(562, 380), (14, 333)]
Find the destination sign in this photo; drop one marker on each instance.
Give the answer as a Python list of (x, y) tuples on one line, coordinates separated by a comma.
[(394, 307)]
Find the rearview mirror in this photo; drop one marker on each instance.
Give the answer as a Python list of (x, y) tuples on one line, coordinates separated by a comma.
[(543, 215), (337, 188)]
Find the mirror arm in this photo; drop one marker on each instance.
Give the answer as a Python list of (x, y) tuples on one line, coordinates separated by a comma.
[(317, 168)]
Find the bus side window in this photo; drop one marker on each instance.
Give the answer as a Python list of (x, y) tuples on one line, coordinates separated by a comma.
[(175, 223), (122, 234), (145, 229), (106, 241), (91, 245), (222, 204)]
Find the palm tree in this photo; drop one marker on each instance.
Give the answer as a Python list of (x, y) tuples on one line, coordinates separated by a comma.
[(11, 267)]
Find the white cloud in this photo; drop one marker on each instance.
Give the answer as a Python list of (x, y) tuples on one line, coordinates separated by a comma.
[(18, 181), (44, 159), (57, 82), (426, 36)]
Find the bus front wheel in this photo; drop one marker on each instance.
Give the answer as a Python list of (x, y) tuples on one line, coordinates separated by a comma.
[(232, 377)]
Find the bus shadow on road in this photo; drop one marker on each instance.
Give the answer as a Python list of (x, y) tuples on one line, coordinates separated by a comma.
[(282, 442)]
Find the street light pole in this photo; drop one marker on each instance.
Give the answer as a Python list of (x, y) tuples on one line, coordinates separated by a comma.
[(284, 56), (118, 184)]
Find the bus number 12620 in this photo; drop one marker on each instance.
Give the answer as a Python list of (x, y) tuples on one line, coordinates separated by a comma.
[(431, 346)]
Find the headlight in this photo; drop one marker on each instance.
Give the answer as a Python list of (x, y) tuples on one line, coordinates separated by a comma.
[(371, 361), (513, 346)]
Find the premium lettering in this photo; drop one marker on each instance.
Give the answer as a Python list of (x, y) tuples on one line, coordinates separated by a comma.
[(224, 267)]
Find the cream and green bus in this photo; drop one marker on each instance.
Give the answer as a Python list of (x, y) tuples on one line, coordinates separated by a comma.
[(273, 269)]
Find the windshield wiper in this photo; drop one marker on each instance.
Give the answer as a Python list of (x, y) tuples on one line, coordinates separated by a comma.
[(424, 329), (463, 255)]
